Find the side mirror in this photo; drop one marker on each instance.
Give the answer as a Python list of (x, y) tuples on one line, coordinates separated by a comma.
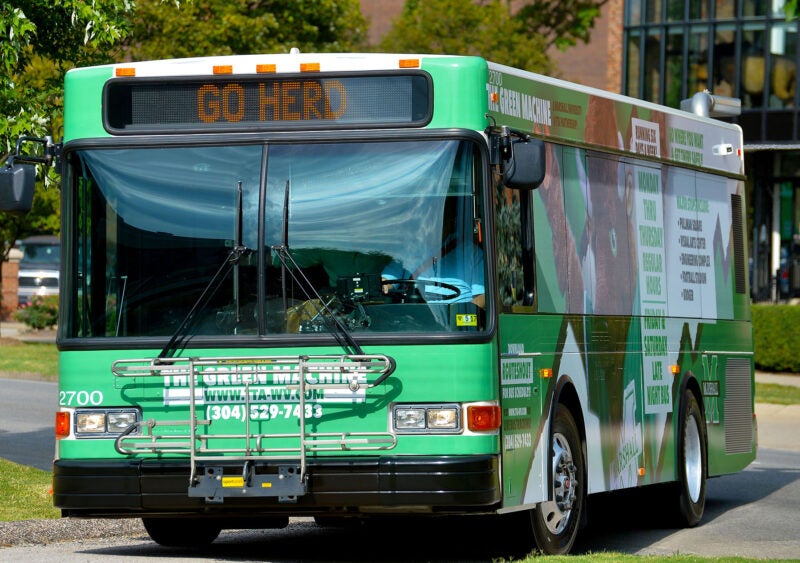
[(17, 183), (525, 167)]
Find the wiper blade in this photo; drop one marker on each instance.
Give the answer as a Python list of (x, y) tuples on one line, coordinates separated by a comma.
[(234, 256), (339, 331)]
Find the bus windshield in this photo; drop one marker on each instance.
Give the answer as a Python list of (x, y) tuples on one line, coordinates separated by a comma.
[(382, 236)]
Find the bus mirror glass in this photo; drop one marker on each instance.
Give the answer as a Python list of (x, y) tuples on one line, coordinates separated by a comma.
[(16, 188), (526, 168)]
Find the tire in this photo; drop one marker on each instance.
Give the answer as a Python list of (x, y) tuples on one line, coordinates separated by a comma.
[(181, 532), (556, 522), (692, 459)]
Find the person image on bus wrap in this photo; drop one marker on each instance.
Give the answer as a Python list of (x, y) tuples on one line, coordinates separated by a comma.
[(459, 262)]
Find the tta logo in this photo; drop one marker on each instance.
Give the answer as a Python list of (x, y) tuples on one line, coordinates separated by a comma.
[(711, 388)]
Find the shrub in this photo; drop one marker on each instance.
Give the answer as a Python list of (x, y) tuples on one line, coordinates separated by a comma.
[(41, 312), (776, 336)]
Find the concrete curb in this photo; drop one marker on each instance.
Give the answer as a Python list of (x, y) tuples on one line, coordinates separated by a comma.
[(13, 329)]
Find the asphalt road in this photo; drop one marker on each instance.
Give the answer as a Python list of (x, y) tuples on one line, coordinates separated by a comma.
[(752, 514), (27, 417)]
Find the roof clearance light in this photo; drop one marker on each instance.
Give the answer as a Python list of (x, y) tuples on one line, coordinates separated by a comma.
[(125, 71), (309, 67), (266, 68), (408, 63), (495, 97), (546, 373), (675, 369), (482, 418), (223, 69)]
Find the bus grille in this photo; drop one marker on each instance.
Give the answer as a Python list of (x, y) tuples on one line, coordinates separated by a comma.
[(738, 407)]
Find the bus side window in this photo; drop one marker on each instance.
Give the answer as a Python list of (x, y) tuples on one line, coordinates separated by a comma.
[(514, 249)]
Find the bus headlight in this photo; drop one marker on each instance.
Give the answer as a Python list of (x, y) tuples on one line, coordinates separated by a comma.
[(90, 423), (104, 422), (118, 421), (442, 418), (434, 418)]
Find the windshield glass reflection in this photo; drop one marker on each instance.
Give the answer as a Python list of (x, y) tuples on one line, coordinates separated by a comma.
[(386, 235)]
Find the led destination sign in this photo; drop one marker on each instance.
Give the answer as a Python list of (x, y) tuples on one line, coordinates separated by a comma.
[(162, 105)]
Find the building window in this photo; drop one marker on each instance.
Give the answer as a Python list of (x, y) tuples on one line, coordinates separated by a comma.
[(744, 49)]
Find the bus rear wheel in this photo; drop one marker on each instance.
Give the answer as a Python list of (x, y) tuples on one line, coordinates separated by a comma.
[(181, 532), (692, 446), (556, 522)]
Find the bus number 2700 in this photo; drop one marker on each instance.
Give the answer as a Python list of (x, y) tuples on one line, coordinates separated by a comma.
[(80, 398)]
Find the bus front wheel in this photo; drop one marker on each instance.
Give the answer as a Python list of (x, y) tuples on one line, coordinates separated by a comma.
[(181, 532), (556, 521)]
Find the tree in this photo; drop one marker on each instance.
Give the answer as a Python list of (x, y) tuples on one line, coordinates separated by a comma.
[(490, 28), (41, 40), (467, 27), (561, 22), (224, 27), (790, 9)]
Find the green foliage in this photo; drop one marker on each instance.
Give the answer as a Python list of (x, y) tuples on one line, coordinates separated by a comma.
[(777, 394), (25, 492), (777, 338), (38, 359), (41, 312), (41, 40), (225, 27), (467, 27), (790, 9), (561, 22)]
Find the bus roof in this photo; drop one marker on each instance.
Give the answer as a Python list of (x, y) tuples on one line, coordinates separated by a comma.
[(577, 114), (268, 63), (536, 104)]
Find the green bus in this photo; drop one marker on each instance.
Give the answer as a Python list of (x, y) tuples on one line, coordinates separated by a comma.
[(364, 286)]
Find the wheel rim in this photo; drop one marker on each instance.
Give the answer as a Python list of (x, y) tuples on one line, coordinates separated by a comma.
[(693, 459), (557, 512)]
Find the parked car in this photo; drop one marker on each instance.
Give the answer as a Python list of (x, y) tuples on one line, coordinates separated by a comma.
[(39, 267)]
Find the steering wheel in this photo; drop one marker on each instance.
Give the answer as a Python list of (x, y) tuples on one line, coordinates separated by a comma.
[(412, 292)]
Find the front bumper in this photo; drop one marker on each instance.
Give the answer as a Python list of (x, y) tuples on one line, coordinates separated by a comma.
[(355, 485)]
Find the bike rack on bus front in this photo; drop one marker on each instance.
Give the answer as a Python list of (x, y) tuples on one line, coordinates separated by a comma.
[(345, 373)]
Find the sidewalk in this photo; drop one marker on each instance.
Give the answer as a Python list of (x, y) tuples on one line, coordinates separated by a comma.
[(778, 425), (13, 329)]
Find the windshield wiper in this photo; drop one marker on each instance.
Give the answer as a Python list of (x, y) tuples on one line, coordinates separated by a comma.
[(338, 330), (234, 256), (231, 262)]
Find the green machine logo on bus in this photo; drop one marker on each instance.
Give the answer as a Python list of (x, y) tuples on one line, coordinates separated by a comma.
[(261, 386)]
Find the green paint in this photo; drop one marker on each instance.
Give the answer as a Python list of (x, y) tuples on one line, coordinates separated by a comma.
[(459, 90), (83, 92)]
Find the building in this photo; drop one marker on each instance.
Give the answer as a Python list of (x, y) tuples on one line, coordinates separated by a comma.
[(598, 64), (748, 50), (9, 269)]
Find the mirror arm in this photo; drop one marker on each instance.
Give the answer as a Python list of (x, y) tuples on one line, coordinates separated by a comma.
[(501, 139), (50, 151)]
